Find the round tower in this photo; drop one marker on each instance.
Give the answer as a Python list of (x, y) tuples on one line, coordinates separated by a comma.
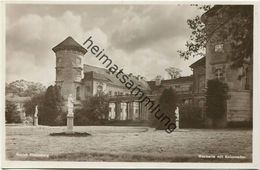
[(69, 67)]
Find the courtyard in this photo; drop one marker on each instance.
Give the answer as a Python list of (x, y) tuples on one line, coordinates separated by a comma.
[(133, 144)]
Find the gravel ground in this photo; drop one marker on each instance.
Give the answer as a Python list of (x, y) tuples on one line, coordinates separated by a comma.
[(142, 144)]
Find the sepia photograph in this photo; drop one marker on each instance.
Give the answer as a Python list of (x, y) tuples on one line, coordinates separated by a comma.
[(128, 82)]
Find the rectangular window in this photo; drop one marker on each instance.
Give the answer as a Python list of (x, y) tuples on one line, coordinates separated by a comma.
[(219, 48)]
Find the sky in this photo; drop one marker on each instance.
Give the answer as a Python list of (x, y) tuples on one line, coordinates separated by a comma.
[(141, 39)]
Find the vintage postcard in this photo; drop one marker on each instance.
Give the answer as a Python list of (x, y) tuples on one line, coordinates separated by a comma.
[(130, 84)]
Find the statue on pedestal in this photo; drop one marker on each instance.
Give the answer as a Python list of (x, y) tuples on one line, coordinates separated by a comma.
[(35, 118), (70, 106), (36, 111), (70, 114), (177, 118)]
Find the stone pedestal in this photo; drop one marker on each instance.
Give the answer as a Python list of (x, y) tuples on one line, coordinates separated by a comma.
[(70, 122), (35, 121), (177, 124)]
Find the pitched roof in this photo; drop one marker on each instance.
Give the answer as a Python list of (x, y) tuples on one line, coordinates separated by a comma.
[(171, 81), (69, 43), (180, 79), (99, 73), (199, 62)]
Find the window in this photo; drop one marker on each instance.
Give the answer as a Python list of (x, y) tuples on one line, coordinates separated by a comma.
[(99, 88), (219, 74), (78, 93), (78, 61), (59, 60), (219, 48), (87, 91), (58, 72), (201, 83)]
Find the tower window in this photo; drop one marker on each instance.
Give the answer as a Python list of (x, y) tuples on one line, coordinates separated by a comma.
[(78, 61), (59, 60), (78, 93), (58, 72)]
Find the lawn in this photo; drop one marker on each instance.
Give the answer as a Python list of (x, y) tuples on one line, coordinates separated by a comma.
[(141, 144)]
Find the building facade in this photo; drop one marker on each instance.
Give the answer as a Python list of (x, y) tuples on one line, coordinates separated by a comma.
[(219, 64)]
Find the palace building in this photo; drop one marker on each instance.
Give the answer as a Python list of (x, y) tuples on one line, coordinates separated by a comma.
[(82, 80)]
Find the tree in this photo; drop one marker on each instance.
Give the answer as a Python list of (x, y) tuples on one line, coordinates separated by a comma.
[(239, 32), (50, 111), (196, 45), (11, 113), (173, 72), (94, 110), (216, 96), (35, 100), (191, 116), (168, 103)]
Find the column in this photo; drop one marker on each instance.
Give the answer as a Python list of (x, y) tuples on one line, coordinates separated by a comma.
[(130, 110), (112, 114), (123, 111), (118, 110), (144, 111)]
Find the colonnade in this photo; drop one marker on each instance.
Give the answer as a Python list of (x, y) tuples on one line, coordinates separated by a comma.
[(128, 110)]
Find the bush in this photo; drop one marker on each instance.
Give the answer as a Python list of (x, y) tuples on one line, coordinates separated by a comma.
[(167, 102), (216, 96), (11, 113), (94, 111), (191, 116), (50, 111)]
